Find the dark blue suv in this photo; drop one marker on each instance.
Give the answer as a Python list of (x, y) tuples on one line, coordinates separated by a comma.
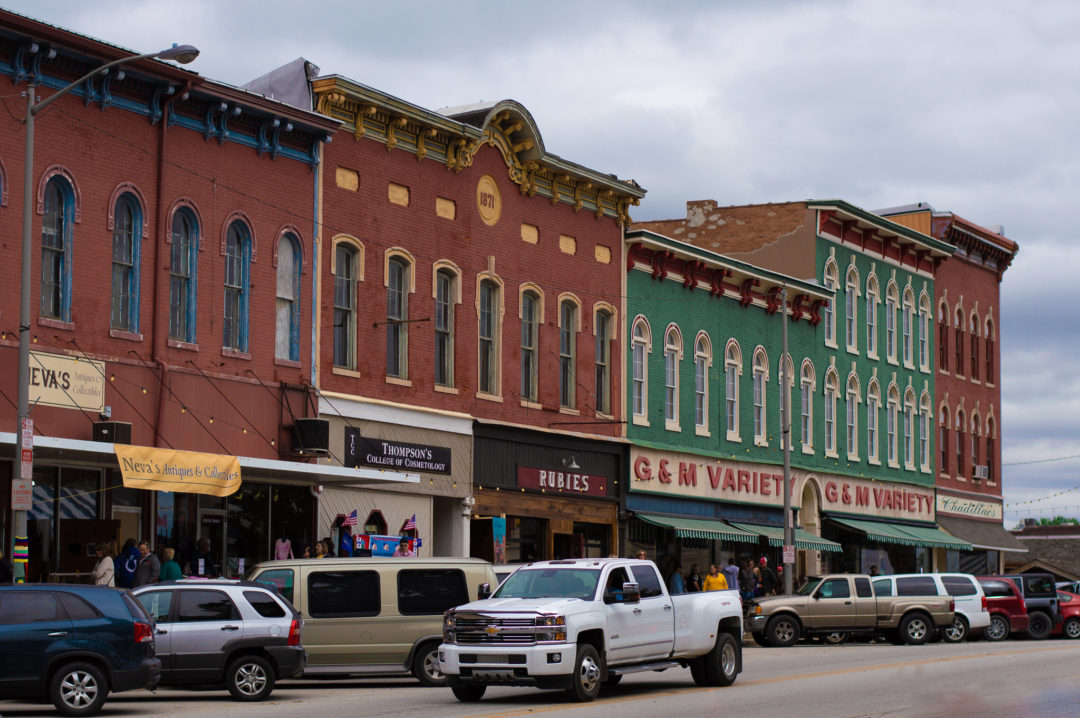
[(74, 644)]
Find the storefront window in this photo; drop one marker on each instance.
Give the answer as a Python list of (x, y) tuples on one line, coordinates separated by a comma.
[(247, 529), (524, 537), (292, 511)]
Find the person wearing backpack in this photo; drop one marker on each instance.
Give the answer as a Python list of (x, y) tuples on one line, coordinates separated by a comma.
[(768, 578), (126, 563)]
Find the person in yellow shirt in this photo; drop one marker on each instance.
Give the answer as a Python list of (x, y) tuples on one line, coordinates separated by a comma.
[(715, 581)]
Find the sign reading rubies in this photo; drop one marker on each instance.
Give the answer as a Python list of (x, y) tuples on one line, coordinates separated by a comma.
[(561, 482), (362, 451)]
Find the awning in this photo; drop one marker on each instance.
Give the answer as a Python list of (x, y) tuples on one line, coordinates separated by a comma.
[(699, 528), (884, 532), (986, 535), (803, 539)]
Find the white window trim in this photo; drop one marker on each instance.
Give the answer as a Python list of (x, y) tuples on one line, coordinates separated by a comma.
[(831, 280), (703, 354), (852, 293), (761, 439), (831, 387), (735, 364), (873, 298), (853, 423), (642, 418), (676, 350), (873, 408)]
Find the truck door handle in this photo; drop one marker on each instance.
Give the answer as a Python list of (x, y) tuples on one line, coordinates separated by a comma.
[(161, 631), (230, 628), (847, 603), (57, 634), (667, 608), (637, 611)]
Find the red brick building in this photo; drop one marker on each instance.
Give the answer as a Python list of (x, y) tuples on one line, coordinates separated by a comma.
[(467, 273)]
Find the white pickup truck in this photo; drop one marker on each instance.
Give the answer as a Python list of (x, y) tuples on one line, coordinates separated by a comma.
[(577, 624)]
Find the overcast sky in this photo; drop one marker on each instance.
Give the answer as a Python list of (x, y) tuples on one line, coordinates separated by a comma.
[(972, 107)]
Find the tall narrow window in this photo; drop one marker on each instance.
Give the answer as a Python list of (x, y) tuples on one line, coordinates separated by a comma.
[(959, 439), (183, 266), (976, 439), (345, 266), (943, 339), (603, 361), (397, 314), (807, 383), (989, 353), (974, 331), (568, 318), (925, 318), (702, 360), (991, 432), (890, 424), (851, 318), (530, 322), (127, 231), (943, 441), (639, 389), (488, 365), (445, 292), (872, 299), (832, 391), (237, 258), (958, 327), (829, 313), (909, 429), (56, 226), (891, 300), (925, 417), (908, 321), (672, 350), (732, 369), (287, 336), (873, 410), (761, 368), (851, 409)]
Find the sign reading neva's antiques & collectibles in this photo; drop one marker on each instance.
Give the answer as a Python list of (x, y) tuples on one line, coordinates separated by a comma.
[(363, 451), (68, 382), (561, 482), (145, 467)]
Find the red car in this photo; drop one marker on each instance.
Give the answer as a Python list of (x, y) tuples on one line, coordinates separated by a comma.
[(1005, 603), (1070, 611)]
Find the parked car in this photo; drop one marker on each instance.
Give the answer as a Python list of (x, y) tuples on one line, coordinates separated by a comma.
[(224, 632), (846, 603), (1068, 586), (376, 615), (579, 623), (1040, 598), (74, 645), (1008, 614), (502, 570), (1070, 612), (969, 599)]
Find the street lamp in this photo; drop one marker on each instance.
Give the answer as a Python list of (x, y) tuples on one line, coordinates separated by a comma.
[(24, 429)]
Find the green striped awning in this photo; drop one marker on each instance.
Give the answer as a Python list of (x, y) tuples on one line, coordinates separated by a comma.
[(699, 528), (803, 539), (935, 538), (931, 537)]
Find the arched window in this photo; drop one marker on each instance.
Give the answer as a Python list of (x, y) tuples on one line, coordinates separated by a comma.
[(672, 354), (907, 324), (832, 391), (346, 271), (958, 327), (127, 234), (851, 318), (602, 361), (641, 341), (568, 328), (892, 300), (873, 410), (490, 306), (398, 284), (807, 388), (892, 408), (943, 337), (183, 275), (732, 371), (446, 293), (872, 298), (909, 429), (960, 443), (530, 343), (925, 417), (943, 440), (925, 318), (973, 331), (851, 410), (830, 281), (991, 436), (702, 362), (56, 240), (989, 353), (237, 286), (287, 337), (976, 440), (761, 378), (785, 372)]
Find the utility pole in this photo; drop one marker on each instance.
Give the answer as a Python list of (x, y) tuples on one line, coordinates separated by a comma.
[(785, 426)]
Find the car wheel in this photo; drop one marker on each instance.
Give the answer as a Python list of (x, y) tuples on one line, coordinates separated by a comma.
[(782, 631), (467, 692), (426, 666), (250, 678), (1071, 629), (915, 629), (585, 680), (760, 639), (1039, 627), (998, 630), (835, 638), (722, 662), (957, 632), (78, 689)]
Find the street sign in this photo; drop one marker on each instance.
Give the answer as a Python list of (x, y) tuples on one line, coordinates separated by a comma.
[(27, 455), (28, 433), (22, 495), (789, 554)]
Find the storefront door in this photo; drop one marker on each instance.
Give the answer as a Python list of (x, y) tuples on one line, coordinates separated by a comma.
[(212, 526)]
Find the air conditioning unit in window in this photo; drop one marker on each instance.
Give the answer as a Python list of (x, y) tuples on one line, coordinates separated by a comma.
[(115, 432), (981, 472), (312, 436)]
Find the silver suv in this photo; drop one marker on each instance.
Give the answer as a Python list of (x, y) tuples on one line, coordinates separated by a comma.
[(237, 633)]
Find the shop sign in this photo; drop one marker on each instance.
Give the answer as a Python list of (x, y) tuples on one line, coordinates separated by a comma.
[(876, 498), (361, 451), (969, 507), (561, 482), (22, 495), (68, 382), (145, 467)]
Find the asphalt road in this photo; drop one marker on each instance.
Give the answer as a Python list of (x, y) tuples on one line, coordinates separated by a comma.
[(1014, 678)]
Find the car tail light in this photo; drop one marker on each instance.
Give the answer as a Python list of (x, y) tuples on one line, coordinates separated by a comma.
[(952, 605), (985, 604), (294, 633), (144, 633)]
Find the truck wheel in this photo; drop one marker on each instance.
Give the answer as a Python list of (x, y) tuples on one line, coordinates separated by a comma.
[(760, 638), (426, 665), (250, 678), (1039, 626), (722, 662), (782, 631), (998, 630), (1071, 629), (585, 680), (698, 671), (467, 692), (957, 632), (915, 629), (78, 689)]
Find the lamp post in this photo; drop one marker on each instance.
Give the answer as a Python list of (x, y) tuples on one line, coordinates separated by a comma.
[(24, 439)]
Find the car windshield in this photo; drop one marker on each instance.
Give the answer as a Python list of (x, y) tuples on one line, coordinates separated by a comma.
[(807, 589), (550, 583)]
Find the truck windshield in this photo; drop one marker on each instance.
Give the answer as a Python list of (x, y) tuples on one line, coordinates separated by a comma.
[(550, 583), (807, 589)]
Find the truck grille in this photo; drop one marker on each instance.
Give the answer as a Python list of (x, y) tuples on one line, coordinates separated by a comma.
[(486, 630)]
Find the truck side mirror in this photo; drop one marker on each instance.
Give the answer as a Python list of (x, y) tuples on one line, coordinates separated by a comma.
[(483, 591), (631, 592)]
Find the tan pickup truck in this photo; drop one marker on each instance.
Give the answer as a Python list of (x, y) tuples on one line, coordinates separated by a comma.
[(845, 603)]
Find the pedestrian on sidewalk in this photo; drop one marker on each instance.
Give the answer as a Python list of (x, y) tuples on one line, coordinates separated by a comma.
[(148, 569), (715, 580)]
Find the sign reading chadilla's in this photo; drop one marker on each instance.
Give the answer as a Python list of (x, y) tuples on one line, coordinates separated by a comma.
[(145, 467), (384, 454)]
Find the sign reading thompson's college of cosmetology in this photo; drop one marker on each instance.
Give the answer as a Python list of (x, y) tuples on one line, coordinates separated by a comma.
[(66, 381), (145, 467), (397, 455)]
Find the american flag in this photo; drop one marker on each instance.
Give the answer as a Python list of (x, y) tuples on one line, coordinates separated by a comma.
[(410, 525), (351, 519)]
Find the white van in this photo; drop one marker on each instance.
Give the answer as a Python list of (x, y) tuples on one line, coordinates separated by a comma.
[(967, 593)]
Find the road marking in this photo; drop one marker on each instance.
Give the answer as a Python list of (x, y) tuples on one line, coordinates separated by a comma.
[(801, 676)]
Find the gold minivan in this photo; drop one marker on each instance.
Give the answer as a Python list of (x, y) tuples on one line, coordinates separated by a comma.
[(376, 615)]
